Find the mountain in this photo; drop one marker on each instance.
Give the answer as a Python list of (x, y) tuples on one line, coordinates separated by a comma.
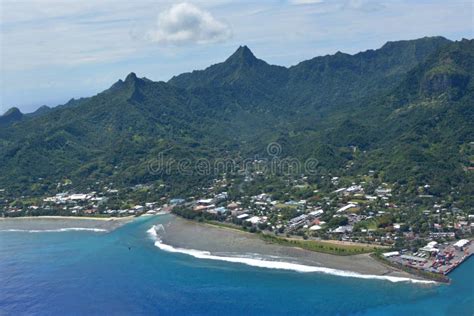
[(242, 71), (343, 78), (322, 80), (14, 114), (11, 116), (40, 111), (421, 130), (406, 107)]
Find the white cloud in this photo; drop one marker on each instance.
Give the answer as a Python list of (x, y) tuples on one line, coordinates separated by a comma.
[(185, 23)]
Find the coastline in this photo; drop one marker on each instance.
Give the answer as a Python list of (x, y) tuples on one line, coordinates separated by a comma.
[(49, 224), (124, 218), (210, 242)]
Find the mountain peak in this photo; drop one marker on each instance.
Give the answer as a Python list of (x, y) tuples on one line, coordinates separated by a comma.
[(40, 111), (12, 115), (242, 55), (131, 77), (12, 111)]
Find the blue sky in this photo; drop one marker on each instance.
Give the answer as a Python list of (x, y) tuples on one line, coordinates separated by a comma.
[(54, 50)]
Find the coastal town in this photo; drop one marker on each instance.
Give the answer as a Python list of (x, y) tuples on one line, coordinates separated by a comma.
[(425, 233)]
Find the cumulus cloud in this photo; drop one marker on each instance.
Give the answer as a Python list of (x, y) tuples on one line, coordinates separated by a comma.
[(184, 23)]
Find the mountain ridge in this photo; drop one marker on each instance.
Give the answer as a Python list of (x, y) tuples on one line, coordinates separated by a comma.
[(319, 108)]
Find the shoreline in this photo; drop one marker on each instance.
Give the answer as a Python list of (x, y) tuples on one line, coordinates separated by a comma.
[(50, 224), (71, 217), (206, 241)]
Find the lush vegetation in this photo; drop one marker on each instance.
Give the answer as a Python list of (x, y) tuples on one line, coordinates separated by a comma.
[(404, 110), (321, 246)]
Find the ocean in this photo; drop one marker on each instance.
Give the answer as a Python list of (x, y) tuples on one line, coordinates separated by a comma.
[(86, 271)]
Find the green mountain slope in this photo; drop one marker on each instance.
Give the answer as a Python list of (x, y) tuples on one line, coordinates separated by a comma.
[(417, 133), (406, 107), (11, 116)]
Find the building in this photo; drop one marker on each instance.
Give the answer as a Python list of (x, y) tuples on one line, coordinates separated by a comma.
[(430, 247), (177, 201), (460, 244), (412, 258), (347, 207), (256, 220), (315, 227), (316, 213), (243, 216), (342, 229)]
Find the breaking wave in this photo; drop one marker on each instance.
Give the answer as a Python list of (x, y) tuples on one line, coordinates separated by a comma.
[(199, 254), (59, 230)]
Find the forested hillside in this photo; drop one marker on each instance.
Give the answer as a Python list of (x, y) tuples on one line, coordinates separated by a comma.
[(404, 110)]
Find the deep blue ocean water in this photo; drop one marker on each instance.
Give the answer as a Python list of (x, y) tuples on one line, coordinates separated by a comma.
[(95, 273)]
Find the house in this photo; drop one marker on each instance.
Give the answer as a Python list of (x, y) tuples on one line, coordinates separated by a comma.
[(78, 197), (341, 190), (203, 207), (177, 201), (382, 192), (315, 227), (232, 205), (354, 188), (316, 213), (297, 221), (138, 208), (221, 196), (220, 210), (391, 254), (205, 201), (243, 216), (342, 229), (347, 207), (255, 220), (371, 197)]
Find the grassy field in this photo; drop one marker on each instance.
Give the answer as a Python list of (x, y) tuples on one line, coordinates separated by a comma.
[(226, 226), (321, 246), (330, 247), (281, 205)]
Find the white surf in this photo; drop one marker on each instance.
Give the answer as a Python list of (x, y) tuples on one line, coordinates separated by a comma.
[(271, 264)]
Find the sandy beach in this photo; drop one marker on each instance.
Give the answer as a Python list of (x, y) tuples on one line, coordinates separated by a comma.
[(181, 233), (58, 223), (125, 218)]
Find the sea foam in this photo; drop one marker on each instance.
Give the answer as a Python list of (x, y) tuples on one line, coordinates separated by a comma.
[(270, 264), (58, 230)]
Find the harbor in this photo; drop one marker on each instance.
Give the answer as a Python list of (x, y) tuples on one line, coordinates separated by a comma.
[(439, 258)]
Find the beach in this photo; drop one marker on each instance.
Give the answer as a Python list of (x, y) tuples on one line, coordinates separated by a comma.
[(62, 223), (182, 234)]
